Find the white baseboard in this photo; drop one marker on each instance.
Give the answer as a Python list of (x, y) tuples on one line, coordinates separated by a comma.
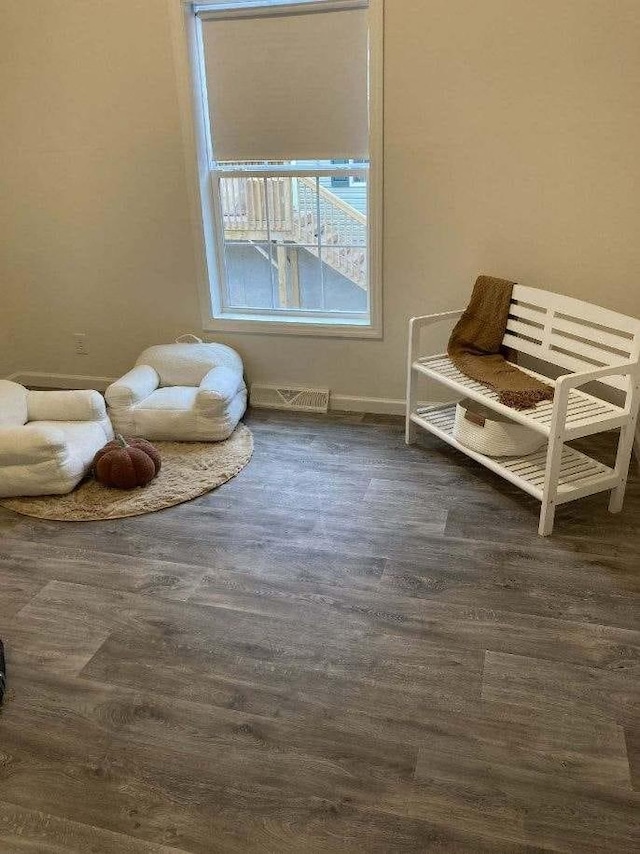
[(375, 405), (338, 402), (64, 381)]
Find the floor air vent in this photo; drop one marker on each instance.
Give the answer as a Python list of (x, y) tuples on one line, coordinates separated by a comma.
[(290, 397)]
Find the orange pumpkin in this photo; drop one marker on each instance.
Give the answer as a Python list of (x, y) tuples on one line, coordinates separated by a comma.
[(126, 463)]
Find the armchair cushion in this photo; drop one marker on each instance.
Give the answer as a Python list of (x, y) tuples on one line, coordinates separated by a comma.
[(65, 406), (13, 404), (176, 399), (133, 387)]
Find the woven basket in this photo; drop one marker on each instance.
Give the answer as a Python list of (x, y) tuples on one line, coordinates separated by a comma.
[(491, 433)]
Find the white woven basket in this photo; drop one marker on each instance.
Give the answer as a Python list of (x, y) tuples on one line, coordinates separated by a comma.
[(491, 433)]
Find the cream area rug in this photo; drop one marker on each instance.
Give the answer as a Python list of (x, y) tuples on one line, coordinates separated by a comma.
[(188, 469)]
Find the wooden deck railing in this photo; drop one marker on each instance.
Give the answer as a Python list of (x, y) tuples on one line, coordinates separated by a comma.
[(341, 235), (301, 211), (251, 205)]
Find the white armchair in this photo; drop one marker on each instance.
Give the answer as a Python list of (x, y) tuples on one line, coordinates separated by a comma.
[(48, 438), (180, 392)]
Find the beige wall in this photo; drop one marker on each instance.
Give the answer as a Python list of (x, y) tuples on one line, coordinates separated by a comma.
[(7, 324), (511, 140), (95, 233)]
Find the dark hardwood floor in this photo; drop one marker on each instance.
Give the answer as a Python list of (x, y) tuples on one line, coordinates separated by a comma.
[(354, 646)]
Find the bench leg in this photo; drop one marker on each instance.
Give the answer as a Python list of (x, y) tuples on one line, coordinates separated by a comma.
[(617, 497), (411, 429), (552, 475), (623, 459), (412, 385), (554, 461), (625, 447), (547, 518)]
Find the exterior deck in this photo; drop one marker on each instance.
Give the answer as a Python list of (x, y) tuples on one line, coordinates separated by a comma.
[(295, 242)]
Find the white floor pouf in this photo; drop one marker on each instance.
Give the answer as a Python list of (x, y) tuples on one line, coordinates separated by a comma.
[(180, 392), (48, 438)]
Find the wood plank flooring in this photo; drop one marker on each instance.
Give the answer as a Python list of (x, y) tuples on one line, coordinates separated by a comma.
[(354, 646)]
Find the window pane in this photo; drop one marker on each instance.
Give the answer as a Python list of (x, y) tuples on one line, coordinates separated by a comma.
[(298, 244), (249, 282)]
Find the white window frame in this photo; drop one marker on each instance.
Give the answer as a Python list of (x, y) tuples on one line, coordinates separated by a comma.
[(205, 206)]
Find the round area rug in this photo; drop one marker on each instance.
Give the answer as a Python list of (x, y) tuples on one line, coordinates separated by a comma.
[(188, 469)]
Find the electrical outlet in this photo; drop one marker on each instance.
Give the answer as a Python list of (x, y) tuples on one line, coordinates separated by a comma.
[(81, 343)]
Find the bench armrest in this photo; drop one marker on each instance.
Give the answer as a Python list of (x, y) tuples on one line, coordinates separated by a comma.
[(133, 387), (568, 381), (78, 405), (415, 326), (429, 319)]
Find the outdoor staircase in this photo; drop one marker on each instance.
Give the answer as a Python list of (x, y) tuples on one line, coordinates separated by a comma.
[(295, 212), (343, 231)]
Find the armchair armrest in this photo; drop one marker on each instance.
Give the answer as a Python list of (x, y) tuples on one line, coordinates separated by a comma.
[(79, 405), (217, 388), (13, 404), (133, 387), (30, 444)]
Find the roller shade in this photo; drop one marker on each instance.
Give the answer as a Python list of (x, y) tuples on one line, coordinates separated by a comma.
[(288, 86)]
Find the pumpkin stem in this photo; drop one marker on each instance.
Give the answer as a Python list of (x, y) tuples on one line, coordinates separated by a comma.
[(121, 440)]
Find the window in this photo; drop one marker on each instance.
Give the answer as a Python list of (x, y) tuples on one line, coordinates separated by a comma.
[(291, 189)]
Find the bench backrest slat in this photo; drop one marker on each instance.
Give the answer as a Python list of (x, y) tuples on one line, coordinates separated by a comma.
[(571, 333)]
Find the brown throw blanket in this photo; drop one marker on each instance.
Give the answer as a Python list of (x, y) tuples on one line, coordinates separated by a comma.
[(475, 346)]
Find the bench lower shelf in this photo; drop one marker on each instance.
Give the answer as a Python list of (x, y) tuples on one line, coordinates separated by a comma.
[(580, 475)]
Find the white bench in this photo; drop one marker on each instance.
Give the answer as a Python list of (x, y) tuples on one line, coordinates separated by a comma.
[(595, 345)]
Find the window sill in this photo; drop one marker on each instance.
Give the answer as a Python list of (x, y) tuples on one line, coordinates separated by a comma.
[(326, 327)]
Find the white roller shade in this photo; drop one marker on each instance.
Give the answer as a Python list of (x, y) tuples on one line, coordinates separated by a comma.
[(288, 86)]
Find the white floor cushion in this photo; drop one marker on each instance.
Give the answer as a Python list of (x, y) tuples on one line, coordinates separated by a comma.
[(48, 456), (180, 392)]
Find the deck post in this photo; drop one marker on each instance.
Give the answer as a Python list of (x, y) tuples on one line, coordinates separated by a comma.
[(293, 254), (281, 256)]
